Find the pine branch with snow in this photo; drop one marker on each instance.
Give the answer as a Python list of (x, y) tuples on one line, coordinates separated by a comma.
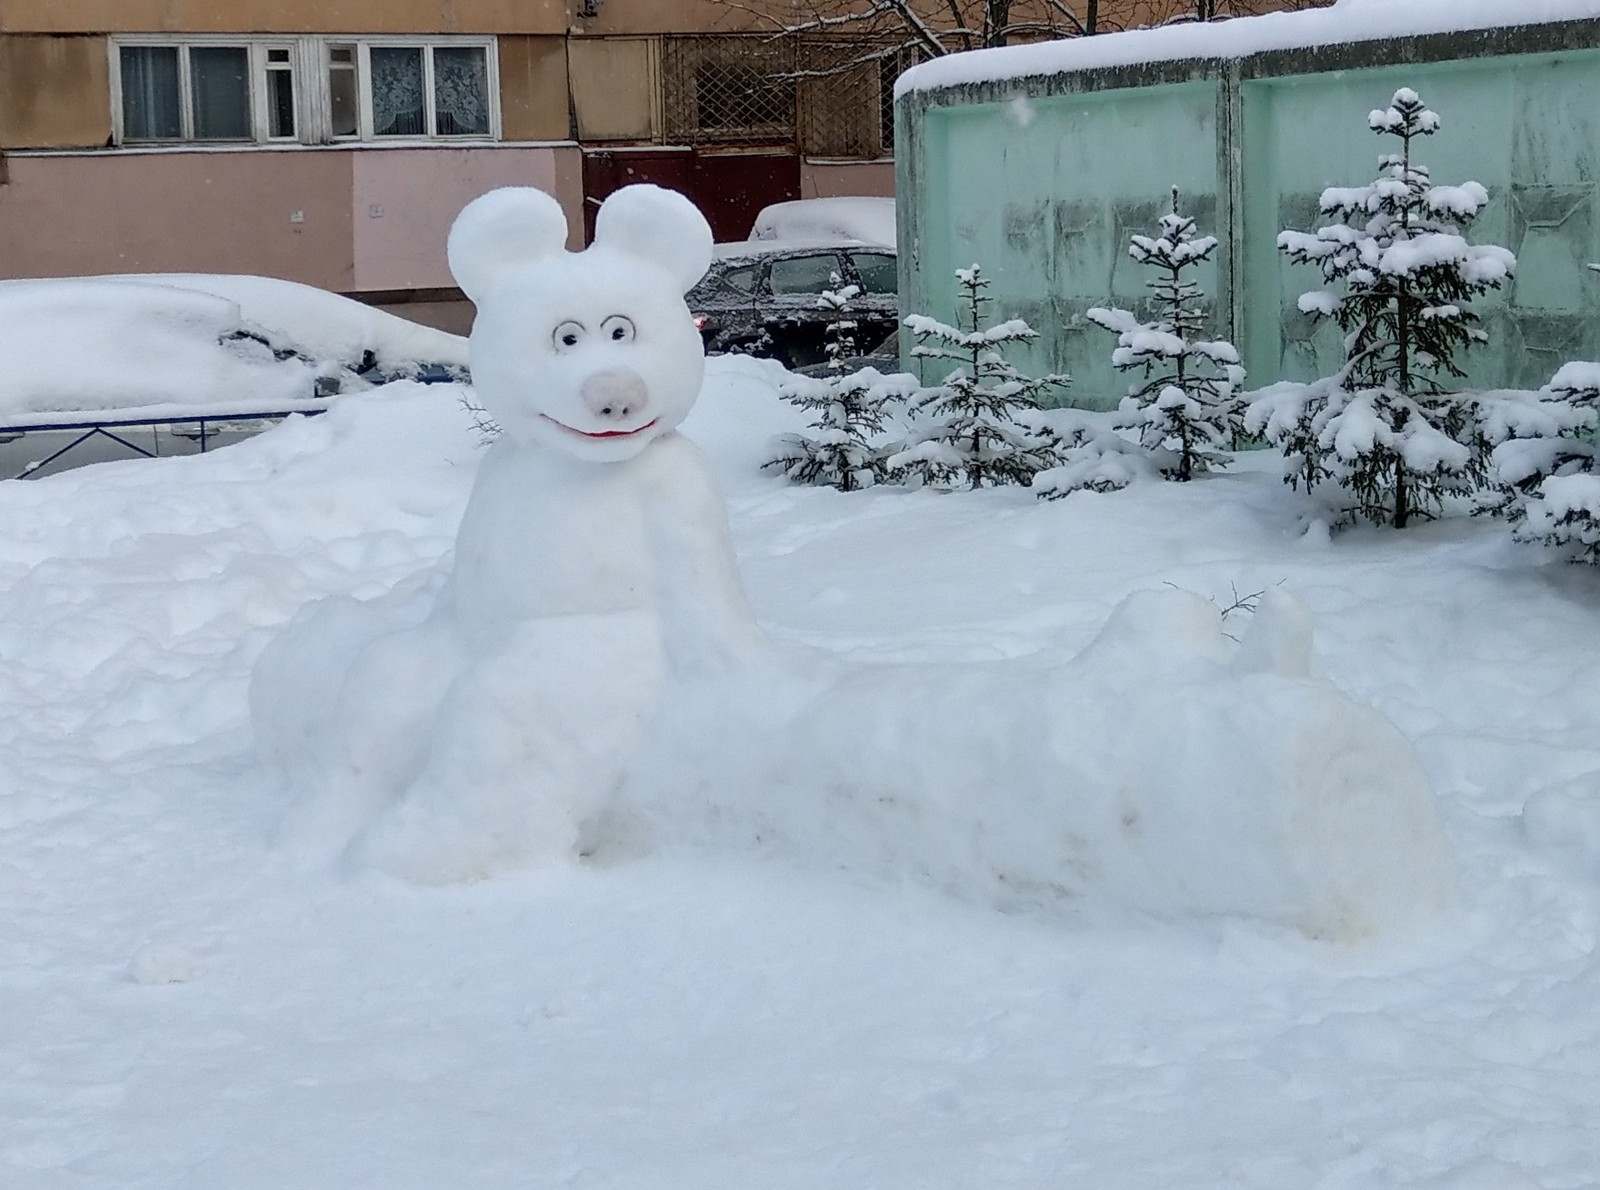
[(1185, 401), (1390, 430), (1094, 458), (981, 424), (847, 448)]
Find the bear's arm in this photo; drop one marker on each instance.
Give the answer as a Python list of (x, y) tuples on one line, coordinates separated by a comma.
[(706, 617)]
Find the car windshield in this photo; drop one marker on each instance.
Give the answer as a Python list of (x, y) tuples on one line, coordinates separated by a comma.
[(803, 274)]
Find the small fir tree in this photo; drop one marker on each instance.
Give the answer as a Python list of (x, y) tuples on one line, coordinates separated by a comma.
[(1185, 404), (1547, 468), (839, 339), (981, 424), (1388, 428), (846, 448)]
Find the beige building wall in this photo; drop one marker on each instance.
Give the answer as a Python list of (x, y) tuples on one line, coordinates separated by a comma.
[(682, 16), (533, 89), (54, 92), (833, 179), (615, 84), (283, 16)]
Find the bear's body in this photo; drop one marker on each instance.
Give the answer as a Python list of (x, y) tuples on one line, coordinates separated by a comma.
[(590, 679)]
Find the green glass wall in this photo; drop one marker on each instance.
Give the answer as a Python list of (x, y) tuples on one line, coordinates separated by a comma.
[(1046, 211), (1041, 181), (1528, 128)]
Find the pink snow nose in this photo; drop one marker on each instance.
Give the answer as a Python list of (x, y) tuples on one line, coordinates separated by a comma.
[(615, 394)]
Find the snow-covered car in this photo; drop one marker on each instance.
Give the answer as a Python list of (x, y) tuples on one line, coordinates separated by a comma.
[(869, 220), (153, 364), (763, 298)]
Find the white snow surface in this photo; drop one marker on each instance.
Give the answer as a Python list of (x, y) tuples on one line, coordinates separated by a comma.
[(185, 1007), (1347, 20), (866, 219)]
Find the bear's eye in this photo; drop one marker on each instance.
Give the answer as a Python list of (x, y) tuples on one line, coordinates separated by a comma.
[(567, 334), (618, 328)]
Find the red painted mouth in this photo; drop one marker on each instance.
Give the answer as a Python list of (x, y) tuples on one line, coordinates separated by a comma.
[(600, 435)]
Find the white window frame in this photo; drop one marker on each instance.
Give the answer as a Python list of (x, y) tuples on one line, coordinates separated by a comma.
[(261, 97), (309, 65), (364, 47), (256, 50)]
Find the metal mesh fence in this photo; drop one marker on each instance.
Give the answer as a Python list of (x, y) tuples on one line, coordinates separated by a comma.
[(830, 97), (728, 90)]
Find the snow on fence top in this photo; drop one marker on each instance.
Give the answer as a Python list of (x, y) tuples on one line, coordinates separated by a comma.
[(1346, 21)]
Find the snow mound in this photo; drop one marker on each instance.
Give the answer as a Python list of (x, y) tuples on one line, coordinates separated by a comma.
[(1267, 794)]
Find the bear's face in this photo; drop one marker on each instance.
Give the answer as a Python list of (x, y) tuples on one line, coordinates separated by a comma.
[(591, 353)]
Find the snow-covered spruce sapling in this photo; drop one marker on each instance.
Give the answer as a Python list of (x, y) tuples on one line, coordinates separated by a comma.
[(839, 337), (1546, 467), (1387, 427), (981, 424), (1564, 510), (846, 448), (1184, 405)]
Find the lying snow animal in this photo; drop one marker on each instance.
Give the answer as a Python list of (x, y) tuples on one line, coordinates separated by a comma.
[(590, 682)]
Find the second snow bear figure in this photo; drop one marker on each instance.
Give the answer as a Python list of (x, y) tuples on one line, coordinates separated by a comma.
[(590, 681)]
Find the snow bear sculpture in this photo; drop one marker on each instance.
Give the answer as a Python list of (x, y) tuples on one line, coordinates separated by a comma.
[(589, 680)]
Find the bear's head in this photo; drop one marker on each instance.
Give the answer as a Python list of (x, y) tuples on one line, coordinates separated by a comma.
[(592, 353)]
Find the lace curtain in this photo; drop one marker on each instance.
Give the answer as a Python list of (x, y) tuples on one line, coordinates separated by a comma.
[(461, 91), (397, 100)]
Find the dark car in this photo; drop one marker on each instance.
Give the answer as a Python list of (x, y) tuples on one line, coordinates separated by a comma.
[(763, 298)]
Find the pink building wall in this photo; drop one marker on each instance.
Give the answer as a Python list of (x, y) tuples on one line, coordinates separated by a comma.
[(404, 201), (301, 214), (278, 213)]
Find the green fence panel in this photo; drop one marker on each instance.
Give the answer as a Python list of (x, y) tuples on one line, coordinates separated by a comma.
[(1041, 180)]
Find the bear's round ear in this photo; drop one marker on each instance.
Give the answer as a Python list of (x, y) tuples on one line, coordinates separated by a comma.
[(499, 232), (659, 225)]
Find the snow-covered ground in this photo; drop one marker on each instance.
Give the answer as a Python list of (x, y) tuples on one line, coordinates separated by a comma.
[(184, 1008)]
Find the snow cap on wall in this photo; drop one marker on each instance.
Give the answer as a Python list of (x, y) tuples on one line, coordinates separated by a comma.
[(1347, 20)]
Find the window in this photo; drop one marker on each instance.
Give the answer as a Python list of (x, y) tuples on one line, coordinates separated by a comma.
[(741, 280), (280, 120), (181, 92), (308, 90), (381, 90), (803, 274), (344, 91), (877, 272)]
